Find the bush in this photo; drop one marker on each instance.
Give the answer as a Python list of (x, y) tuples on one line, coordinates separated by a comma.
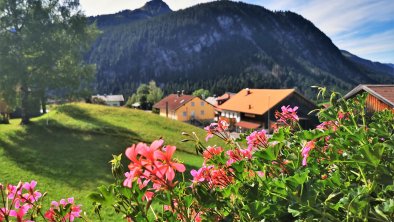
[(342, 170), (23, 203)]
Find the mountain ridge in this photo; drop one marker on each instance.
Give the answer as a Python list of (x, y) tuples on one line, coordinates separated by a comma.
[(151, 9), (223, 46)]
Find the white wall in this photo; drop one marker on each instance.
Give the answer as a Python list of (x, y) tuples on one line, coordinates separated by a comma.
[(231, 114)]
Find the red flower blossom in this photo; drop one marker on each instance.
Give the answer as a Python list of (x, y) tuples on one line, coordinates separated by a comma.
[(211, 152)]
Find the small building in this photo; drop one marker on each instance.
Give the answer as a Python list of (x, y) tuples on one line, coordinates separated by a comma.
[(110, 100), (380, 97), (216, 101), (255, 108), (185, 108)]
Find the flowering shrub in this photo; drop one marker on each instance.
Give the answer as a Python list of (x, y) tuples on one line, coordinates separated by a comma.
[(341, 170), (23, 203)]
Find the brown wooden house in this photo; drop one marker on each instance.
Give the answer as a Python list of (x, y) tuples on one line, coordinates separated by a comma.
[(255, 108), (380, 97)]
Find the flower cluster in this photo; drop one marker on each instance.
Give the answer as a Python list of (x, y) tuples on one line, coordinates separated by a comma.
[(19, 200), (71, 210), (238, 155), (211, 151), (288, 115), (214, 177), (152, 163), (257, 139), (219, 129)]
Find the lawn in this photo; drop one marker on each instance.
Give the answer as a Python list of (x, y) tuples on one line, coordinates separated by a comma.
[(69, 156)]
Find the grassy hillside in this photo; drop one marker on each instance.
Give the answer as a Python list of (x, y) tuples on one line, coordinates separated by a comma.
[(69, 157)]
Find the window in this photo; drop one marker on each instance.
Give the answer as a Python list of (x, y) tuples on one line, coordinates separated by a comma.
[(192, 114), (184, 114), (202, 112), (193, 104), (202, 103)]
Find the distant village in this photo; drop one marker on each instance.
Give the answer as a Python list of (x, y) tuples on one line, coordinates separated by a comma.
[(249, 109)]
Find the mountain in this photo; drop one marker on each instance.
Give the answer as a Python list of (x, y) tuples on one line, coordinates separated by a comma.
[(390, 64), (150, 9), (223, 46), (369, 66)]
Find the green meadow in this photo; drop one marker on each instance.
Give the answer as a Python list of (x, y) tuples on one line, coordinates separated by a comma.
[(68, 150)]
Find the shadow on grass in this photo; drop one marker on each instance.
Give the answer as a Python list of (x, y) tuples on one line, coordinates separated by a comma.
[(78, 159), (96, 125)]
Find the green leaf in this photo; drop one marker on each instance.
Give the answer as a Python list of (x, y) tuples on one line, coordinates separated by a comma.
[(294, 212), (372, 155), (97, 197)]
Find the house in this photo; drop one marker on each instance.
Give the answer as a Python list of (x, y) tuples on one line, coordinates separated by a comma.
[(216, 101), (380, 97), (255, 108), (110, 100), (185, 108)]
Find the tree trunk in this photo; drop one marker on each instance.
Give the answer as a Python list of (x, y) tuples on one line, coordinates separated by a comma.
[(44, 105), (6, 118), (25, 104)]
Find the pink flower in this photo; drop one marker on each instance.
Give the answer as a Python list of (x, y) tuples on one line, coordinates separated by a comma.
[(260, 173), (211, 152), (198, 218), (328, 125), (305, 151), (13, 191), (128, 182), (288, 115), (256, 139), (20, 213), (148, 196), (238, 155), (201, 175), (341, 115), (32, 195), (74, 211), (152, 164), (216, 129), (169, 167)]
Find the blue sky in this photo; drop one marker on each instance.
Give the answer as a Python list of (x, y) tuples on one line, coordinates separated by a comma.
[(363, 27)]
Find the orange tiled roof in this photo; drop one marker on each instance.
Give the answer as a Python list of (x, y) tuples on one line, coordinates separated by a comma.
[(258, 101)]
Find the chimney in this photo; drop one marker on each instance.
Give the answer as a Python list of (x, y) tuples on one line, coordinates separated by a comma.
[(178, 93), (247, 91), (183, 92)]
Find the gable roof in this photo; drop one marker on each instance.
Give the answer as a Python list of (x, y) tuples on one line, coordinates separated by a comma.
[(385, 93), (258, 101), (212, 100), (110, 98), (225, 96), (174, 101)]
